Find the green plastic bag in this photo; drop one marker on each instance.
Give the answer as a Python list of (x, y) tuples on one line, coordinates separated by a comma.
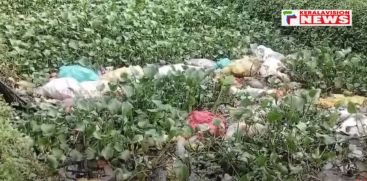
[(78, 72)]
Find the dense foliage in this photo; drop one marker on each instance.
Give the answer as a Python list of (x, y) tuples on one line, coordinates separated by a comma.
[(129, 32), (340, 37), (332, 71), (17, 161)]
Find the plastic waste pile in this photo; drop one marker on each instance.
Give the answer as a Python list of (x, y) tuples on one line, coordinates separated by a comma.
[(352, 125), (76, 81)]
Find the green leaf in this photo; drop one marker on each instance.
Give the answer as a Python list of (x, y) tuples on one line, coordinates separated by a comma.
[(80, 126), (107, 152), (351, 108), (126, 107), (274, 116), (295, 102), (128, 91), (76, 155), (58, 154), (114, 106), (97, 135), (328, 140), (283, 169), (48, 129), (261, 161), (52, 161), (90, 153), (125, 155), (118, 147), (182, 172), (228, 80)]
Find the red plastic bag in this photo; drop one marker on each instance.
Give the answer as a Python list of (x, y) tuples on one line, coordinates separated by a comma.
[(207, 118)]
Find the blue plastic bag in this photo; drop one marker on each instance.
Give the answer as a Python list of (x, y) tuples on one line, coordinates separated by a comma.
[(78, 72), (223, 62)]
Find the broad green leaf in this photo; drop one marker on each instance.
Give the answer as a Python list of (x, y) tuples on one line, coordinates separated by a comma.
[(295, 102), (90, 153), (274, 116), (97, 135), (76, 155), (52, 161), (125, 155), (107, 152), (114, 106), (228, 80), (126, 107), (182, 172), (261, 161), (351, 108), (128, 91), (283, 169), (48, 129), (118, 147), (58, 154), (80, 126)]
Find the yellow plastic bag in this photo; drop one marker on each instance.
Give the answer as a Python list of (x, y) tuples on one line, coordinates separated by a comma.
[(340, 99), (117, 74), (245, 67)]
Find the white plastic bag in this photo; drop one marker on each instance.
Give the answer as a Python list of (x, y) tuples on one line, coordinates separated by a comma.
[(60, 88), (264, 52), (203, 63), (167, 69), (271, 66), (353, 125), (92, 89)]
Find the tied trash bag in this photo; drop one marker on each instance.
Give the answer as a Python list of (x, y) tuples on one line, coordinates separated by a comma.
[(78, 72), (60, 88), (206, 118)]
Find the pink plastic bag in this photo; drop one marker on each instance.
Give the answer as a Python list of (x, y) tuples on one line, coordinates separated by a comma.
[(207, 118)]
